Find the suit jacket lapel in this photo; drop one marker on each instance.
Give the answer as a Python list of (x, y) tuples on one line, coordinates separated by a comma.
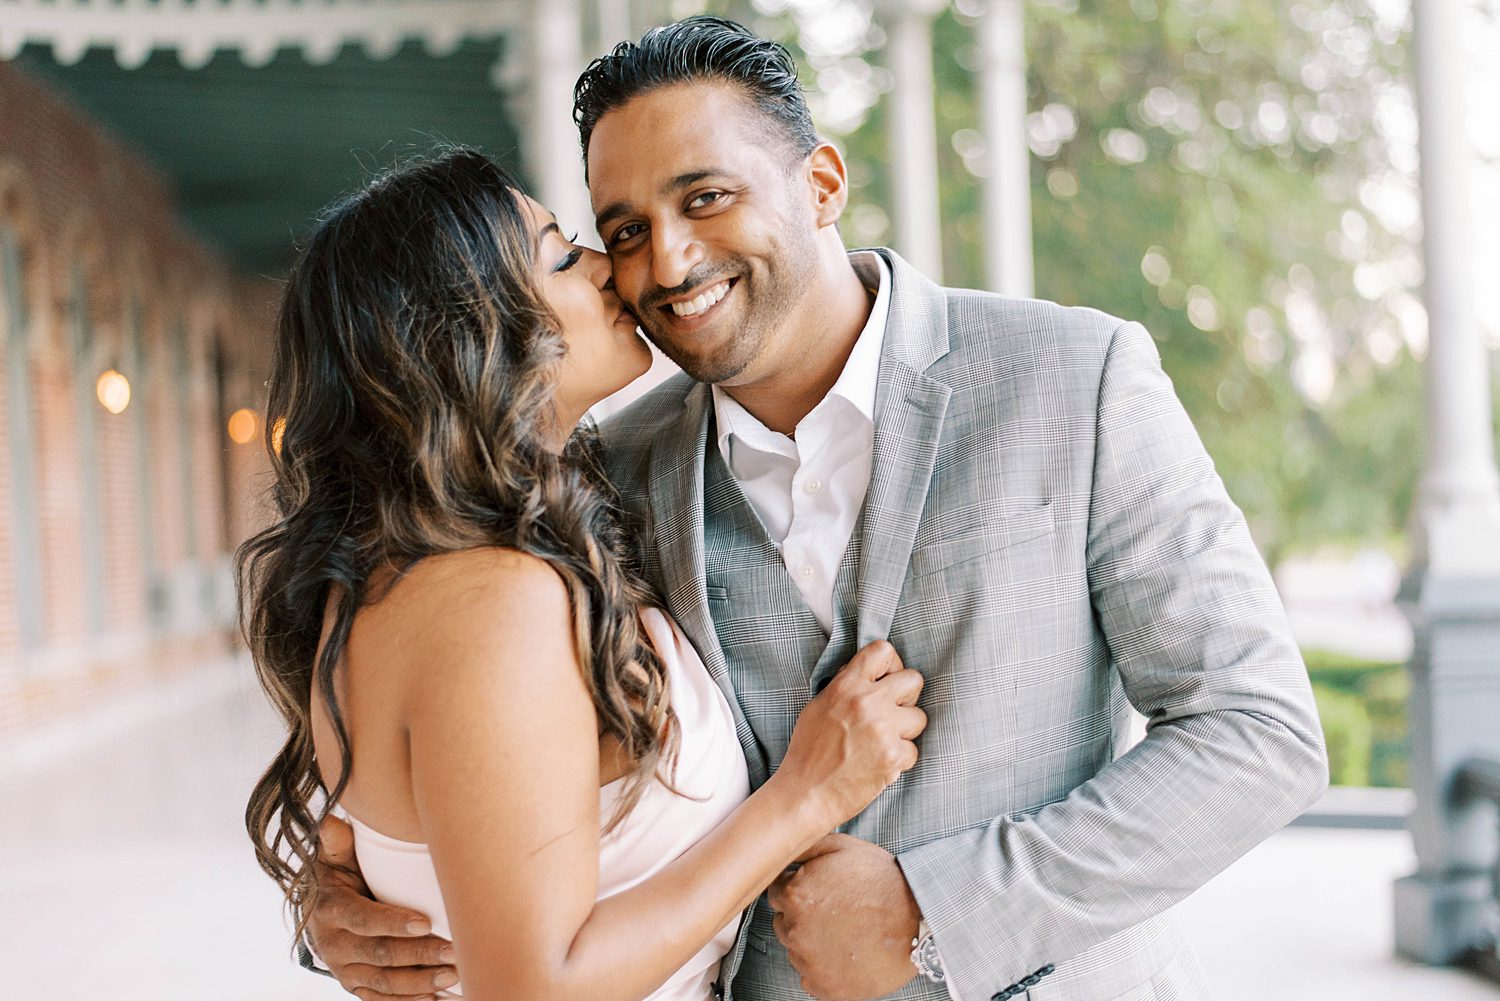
[(677, 506), (676, 478), (909, 410)]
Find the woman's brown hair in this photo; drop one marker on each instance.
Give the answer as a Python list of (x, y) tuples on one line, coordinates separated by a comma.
[(410, 410)]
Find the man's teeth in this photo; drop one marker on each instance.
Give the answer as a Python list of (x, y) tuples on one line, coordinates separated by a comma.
[(702, 302)]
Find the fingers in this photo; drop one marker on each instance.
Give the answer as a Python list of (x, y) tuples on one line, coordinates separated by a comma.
[(903, 686), (776, 893), (334, 883), (876, 660), (382, 982), (371, 919), (336, 842), (910, 722), (429, 950), (336, 863), (399, 967), (908, 756)]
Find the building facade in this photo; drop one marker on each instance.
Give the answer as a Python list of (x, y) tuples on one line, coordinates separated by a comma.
[(116, 528)]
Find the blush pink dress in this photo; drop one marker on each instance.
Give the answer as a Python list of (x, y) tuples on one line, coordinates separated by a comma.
[(663, 825)]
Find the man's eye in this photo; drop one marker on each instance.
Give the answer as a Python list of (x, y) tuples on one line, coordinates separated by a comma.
[(707, 198), (626, 232)]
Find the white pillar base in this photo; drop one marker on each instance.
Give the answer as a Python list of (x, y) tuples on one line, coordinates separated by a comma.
[(1436, 917)]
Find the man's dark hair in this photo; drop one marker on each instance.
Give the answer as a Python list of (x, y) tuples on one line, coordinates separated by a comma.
[(697, 49)]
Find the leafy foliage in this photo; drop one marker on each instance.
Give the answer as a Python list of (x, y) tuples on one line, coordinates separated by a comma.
[(1362, 706), (1238, 176)]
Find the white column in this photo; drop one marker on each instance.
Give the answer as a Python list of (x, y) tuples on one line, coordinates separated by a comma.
[(1452, 594), (1002, 120), (1460, 492), (913, 134), (557, 164)]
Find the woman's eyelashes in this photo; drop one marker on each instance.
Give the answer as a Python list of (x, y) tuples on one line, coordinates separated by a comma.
[(572, 258)]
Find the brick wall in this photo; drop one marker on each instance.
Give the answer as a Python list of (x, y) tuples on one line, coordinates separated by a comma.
[(144, 599)]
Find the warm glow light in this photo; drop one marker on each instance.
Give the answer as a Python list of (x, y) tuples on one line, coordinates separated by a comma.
[(114, 391), (242, 425), (276, 432)]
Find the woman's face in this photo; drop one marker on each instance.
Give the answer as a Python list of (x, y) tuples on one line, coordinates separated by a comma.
[(605, 352)]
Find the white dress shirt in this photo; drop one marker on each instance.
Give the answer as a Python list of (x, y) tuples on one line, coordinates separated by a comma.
[(807, 490)]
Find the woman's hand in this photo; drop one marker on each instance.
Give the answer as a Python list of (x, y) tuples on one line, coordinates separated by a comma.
[(857, 736)]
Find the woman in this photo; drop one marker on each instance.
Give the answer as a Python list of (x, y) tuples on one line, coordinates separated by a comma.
[(445, 614)]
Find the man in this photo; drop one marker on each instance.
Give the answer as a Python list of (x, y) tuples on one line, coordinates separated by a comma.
[(1008, 490)]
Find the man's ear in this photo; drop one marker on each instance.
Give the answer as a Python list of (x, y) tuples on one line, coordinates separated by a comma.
[(828, 183)]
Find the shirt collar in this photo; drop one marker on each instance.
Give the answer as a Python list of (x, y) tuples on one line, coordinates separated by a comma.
[(856, 383)]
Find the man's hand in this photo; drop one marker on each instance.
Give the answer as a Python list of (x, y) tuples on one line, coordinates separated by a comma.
[(847, 919), (378, 952)]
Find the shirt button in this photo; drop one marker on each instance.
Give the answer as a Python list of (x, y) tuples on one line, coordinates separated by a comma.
[(805, 571), (813, 486)]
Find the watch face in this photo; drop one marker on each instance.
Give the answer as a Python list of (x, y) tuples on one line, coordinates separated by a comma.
[(927, 959)]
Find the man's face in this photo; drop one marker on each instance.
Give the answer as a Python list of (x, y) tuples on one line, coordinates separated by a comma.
[(705, 212)]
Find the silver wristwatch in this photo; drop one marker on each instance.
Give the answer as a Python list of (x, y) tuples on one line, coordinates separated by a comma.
[(924, 954)]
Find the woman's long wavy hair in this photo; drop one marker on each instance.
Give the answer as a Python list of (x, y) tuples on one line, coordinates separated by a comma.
[(411, 403)]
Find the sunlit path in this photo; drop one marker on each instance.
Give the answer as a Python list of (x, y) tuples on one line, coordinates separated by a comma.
[(1307, 917), (125, 871)]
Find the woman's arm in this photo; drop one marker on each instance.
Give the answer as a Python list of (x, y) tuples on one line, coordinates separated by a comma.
[(505, 776)]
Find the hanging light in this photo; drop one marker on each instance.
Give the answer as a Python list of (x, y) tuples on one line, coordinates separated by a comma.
[(113, 390), (242, 425)]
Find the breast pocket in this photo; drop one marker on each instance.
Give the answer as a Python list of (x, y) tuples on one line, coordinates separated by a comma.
[(980, 532)]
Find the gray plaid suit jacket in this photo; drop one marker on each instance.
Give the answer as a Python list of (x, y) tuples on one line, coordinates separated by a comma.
[(1045, 538)]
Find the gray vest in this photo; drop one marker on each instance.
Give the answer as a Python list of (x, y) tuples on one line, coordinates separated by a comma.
[(778, 658)]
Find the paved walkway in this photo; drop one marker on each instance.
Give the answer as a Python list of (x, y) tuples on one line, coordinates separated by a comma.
[(125, 871), (125, 874)]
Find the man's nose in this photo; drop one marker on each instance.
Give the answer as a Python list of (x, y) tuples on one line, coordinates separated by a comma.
[(674, 254)]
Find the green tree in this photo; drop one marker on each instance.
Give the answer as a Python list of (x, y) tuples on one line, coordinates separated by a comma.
[(1239, 177)]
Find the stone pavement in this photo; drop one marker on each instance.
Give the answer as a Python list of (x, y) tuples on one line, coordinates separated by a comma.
[(125, 874)]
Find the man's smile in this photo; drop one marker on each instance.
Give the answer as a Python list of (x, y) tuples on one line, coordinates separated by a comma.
[(692, 312), (702, 302)]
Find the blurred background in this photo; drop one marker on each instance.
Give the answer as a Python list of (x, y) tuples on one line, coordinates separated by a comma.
[(1300, 199)]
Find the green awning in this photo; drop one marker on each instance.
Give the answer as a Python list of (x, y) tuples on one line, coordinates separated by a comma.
[(254, 153)]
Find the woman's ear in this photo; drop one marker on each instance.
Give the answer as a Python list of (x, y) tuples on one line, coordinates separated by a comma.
[(828, 183)]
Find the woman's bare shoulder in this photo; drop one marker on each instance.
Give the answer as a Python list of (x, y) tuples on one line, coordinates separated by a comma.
[(483, 600), (467, 643), (487, 580)]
